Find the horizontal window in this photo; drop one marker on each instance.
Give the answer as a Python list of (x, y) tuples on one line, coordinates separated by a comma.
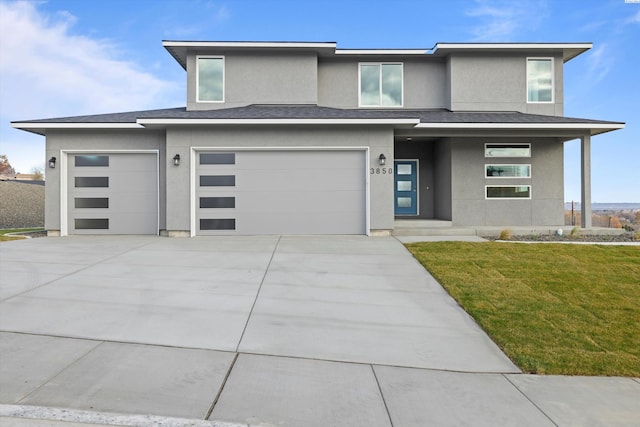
[(86, 160), (91, 181), (218, 224), (92, 223), (508, 171), (217, 180), (218, 159), (217, 202), (507, 150), (381, 85), (508, 191), (91, 202), (539, 79), (210, 78)]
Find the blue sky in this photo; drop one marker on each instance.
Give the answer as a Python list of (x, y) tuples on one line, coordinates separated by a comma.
[(73, 57)]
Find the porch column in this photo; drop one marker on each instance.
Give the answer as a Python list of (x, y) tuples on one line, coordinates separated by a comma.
[(585, 204)]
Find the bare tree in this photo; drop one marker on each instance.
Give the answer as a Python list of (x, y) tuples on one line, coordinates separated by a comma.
[(5, 166)]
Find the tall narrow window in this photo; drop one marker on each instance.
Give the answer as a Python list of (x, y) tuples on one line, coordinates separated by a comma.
[(381, 85), (210, 78), (540, 80)]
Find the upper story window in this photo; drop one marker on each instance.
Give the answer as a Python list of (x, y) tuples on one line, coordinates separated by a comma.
[(380, 84), (539, 79), (210, 79)]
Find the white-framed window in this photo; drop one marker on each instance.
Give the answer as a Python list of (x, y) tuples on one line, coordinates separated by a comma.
[(210, 78), (380, 84), (508, 191), (507, 171), (540, 80), (507, 150)]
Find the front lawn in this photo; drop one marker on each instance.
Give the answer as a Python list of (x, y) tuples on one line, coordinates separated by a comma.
[(4, 232), (553, 308)]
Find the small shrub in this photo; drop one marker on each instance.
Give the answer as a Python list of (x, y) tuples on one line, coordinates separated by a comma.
[(575, 233), (505, 234), (636, 235)]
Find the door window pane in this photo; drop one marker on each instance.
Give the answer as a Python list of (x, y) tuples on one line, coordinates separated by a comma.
[(403, 169), (404, 185), (87, 160), (91, 181), (404, 202)]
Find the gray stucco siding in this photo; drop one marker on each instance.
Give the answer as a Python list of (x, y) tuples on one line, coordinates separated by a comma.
[(97, 141), (471, 207), (498, 83), (423, 82), (379, 139), (260, 78)]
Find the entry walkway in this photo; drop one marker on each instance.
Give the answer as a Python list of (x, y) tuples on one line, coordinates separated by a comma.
[(264, 331)]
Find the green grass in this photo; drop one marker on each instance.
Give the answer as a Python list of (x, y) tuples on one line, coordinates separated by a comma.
[(4, 232), (552, 308)]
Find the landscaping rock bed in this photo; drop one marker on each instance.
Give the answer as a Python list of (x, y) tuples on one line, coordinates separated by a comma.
[(625, 237), (21, 205)]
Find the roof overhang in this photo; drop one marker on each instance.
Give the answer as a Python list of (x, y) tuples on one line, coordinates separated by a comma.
[(180, 49), (569, 50), (41, 128), (272, 121)]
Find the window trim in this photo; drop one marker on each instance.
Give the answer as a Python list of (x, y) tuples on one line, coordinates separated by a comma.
[(507, 177), (553, 80), (486, 196), (380, 64), (198, 57), (507, 144)]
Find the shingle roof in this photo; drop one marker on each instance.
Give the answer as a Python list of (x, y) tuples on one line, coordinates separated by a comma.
[(293, 112)]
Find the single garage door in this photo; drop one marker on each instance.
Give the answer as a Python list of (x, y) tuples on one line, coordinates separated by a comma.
[(112, 193), (281, 192)]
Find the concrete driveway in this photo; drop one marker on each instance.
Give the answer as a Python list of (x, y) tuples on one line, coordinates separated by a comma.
[(277, 331)]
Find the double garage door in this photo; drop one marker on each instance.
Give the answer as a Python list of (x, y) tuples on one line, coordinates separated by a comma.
[(281, 192), (112, 193)]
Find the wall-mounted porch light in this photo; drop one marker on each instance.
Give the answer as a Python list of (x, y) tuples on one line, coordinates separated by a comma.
[(382, 159), (52, 162), (176, 160)]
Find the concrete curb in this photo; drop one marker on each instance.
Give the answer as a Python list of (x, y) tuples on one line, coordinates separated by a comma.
[(37, 414)]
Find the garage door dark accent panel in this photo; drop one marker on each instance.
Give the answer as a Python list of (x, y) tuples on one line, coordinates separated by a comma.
[(217, 180), (91, 181), (217, 202), (218, 159), (218, 224), (91, 202), (102, 161), (92, 223)]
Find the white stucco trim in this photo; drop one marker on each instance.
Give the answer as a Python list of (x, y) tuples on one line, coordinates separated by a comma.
[(64, 166), (381, 51), (60, 125), (313, 45), (571, 126), (193, 173), (145, 122)]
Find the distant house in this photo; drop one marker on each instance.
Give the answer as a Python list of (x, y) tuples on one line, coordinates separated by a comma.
[(308, 138)]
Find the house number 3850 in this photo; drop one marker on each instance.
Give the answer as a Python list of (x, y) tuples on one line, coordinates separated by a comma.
[(383, 171)]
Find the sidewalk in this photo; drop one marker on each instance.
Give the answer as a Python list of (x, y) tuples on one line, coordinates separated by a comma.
[(271, 331)]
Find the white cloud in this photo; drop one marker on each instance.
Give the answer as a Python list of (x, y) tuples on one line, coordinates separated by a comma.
[(600, 62), (47, 71), (502, 20)]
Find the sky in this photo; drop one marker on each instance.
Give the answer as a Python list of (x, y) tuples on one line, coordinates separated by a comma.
[(76, 57)]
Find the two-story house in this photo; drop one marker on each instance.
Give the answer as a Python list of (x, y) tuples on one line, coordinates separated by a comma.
[(306, 138)]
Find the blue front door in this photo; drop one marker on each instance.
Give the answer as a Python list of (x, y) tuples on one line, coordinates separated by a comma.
[(405, 187)]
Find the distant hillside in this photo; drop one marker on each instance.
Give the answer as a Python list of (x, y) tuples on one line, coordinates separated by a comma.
[(21, 205), (606, 206)]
